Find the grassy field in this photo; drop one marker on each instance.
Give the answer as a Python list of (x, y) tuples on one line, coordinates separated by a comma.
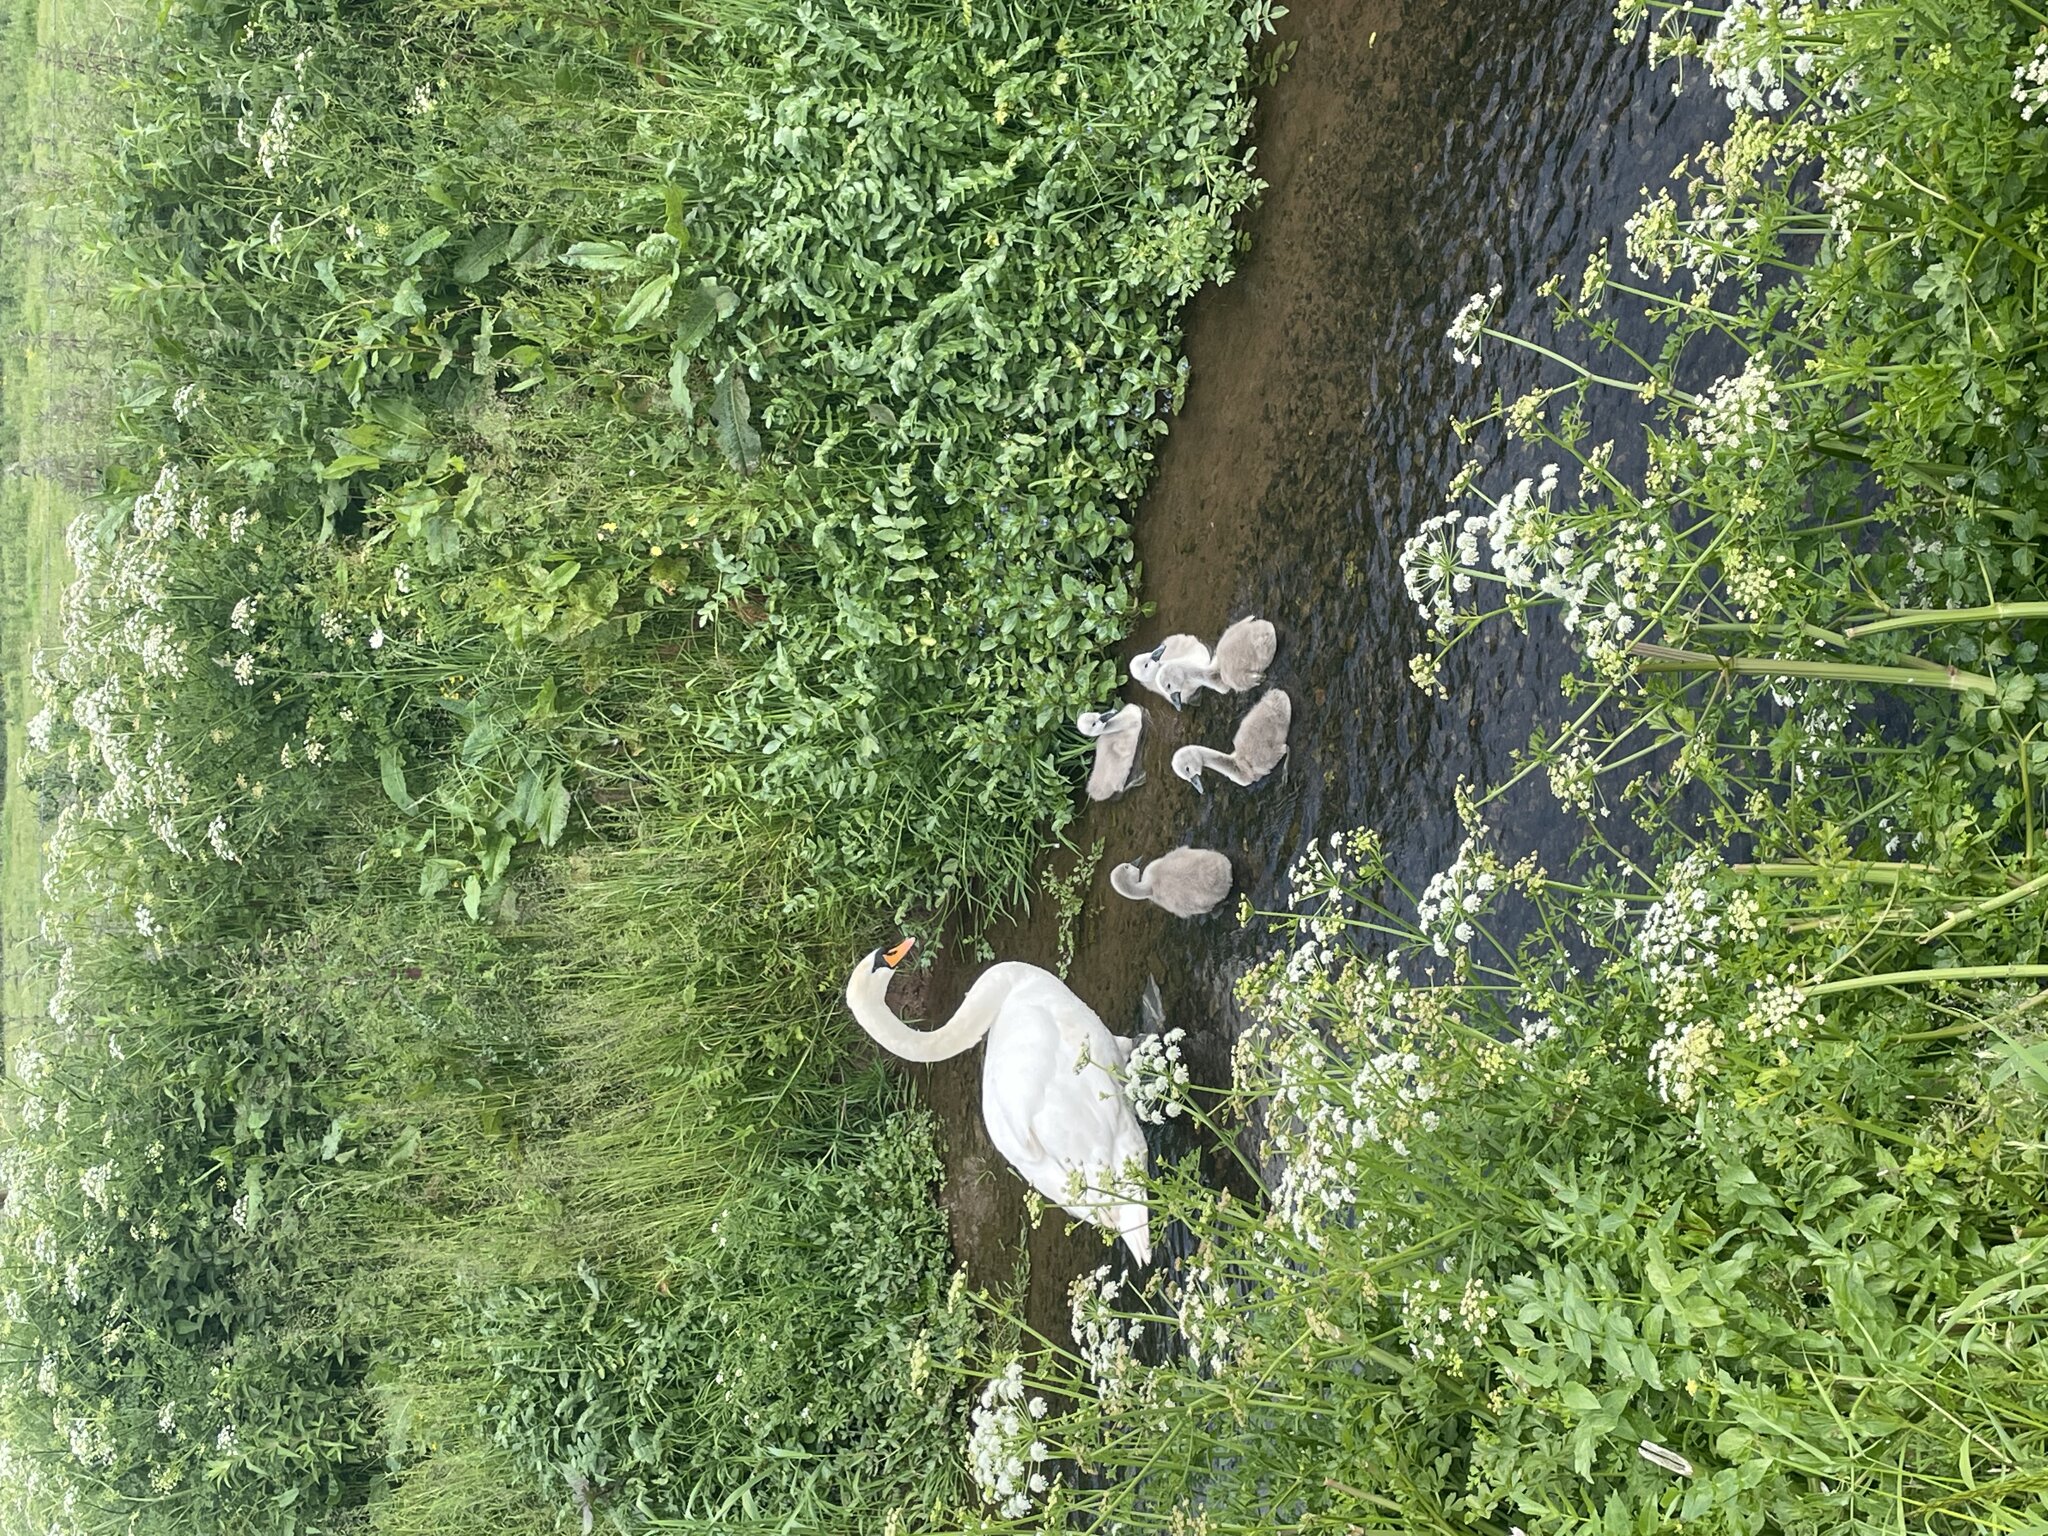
[(590, 520)]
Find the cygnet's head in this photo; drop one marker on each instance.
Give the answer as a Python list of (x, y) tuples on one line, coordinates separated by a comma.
[(1124, 881), (1094, 722), (1143, 666), (1187, 762)]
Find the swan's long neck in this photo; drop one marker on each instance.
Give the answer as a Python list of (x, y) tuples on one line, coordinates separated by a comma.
[(1224, 763), (867, 994)]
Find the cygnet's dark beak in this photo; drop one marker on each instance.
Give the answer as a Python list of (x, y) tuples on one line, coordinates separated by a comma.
[(1174, 700), (1159, 650), (1197, 782)]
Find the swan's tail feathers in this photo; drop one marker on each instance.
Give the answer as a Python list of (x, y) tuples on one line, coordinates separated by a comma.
[(1151, 1010), (1134, 1224)]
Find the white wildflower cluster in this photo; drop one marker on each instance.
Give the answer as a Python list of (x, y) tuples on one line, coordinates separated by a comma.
[(1574, 776), (1469, 328), (1778, 1016), (2030, 83), (1004, 1453), (1454, 897), (91, 1445), (1738, 415), (1746, 56), (1678, 944), (1843, 188), (1295, 989), (217, 839), (273, 141), (1684, 1058), (120, 640), (1108, 1342), (185, 400), (1204, 1306), (1320, 881), (1156, 1078), (95, 1182), (1447, 1326), (1678, 937), (1330, 1120), (1530, 547)]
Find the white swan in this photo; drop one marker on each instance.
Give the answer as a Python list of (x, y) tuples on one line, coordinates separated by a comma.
[(1188, 882), (1174, 649), (1116, 749), (1238, 665), (1048, 1096), (1260, 743)]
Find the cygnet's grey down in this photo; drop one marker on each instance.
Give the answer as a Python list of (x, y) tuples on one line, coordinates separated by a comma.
[(1260, 743), (1188, 882), (1238, 664), (1172, 651), (1116, 749)]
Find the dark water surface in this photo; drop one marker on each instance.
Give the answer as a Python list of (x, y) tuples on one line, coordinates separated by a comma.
[(1417, 151)]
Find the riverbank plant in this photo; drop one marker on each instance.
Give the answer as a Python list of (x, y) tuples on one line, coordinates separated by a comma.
[(590, 517), (1694, 1182)]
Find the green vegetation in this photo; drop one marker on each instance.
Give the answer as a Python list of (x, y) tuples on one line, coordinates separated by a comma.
[(1696, 1185), (572, 521)]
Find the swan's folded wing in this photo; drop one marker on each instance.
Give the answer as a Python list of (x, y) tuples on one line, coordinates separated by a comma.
[(1054, 1111)]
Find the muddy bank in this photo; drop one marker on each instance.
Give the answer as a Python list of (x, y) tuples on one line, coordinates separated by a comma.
[(1416, 152)]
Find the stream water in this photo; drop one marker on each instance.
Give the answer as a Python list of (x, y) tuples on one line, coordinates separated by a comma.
[(1417, 151)]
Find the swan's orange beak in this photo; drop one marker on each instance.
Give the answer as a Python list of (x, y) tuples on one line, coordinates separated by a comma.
[(894, 957)]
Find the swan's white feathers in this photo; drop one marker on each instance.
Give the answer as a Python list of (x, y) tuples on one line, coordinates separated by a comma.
[(1048, 1096)]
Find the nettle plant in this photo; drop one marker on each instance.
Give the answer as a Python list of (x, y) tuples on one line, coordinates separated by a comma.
[(844, 338)]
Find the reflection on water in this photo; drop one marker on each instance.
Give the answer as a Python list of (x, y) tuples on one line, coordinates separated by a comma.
[(1503, 149)]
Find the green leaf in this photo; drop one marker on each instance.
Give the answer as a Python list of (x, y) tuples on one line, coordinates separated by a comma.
[(408, 301), (391, 772), (697, 316), (484, 250), (679, 385), (648, 301), (432, 240), (347, 464), (599, 256), (730, 408), (554, 812), (472, 897)]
